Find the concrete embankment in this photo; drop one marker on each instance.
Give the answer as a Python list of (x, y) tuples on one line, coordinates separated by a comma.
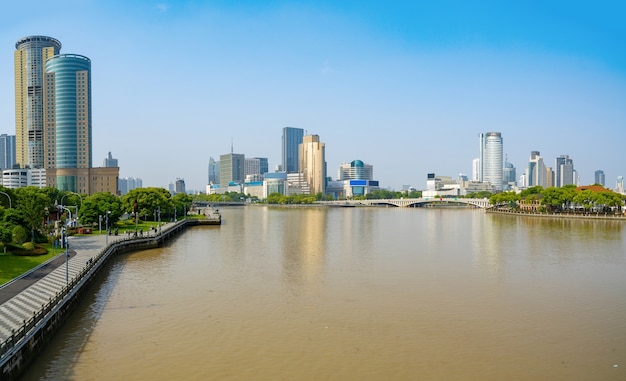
[(575, 216), (22, 336)]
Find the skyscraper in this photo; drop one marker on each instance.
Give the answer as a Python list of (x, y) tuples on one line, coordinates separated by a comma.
[(263, 164), (30, 58), (68, 118), (292, 137), (109, 161), (232, 168), (509, 176), (312, 163), (7, 151), (536, 170), (599, 177), (491, 164), (564, 167), (214, 171)]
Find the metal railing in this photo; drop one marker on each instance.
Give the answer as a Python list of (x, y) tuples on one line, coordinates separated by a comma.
[(60, 298)]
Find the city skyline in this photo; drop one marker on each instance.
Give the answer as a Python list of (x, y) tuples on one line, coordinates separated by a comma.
[(407, 87)]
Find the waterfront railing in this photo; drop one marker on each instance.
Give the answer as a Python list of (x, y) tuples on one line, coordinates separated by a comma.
[(68, 291)]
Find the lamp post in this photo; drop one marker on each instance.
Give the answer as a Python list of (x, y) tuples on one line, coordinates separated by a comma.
[(8, 197), (66, 242), (76, 206), (159, 211), (69, 211), (107, 229), (100, 223)]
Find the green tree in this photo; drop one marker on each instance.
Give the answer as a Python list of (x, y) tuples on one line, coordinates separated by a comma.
[(182, 202), (31, 204), (95, 207), (19, 234), (586, 199), (148, 201)]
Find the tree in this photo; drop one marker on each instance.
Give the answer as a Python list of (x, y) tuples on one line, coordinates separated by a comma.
[(31, 204), (97, 205), (148, 201), (181, 202), (586, 198)]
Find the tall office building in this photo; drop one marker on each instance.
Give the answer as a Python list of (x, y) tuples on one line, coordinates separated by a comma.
[(109, 161), (251, 166), (619, 185), (491, 164), (7, 151), (179, 186), (67, 139), (599, 177), (263, 165), (292, 137), (127, 184), (232, 168), (508, 175), (214, 171), (312, 163), (564, 171), (30, 60), (536, 170)]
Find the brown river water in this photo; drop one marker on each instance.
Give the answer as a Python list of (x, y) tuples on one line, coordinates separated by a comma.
[(357, 294)]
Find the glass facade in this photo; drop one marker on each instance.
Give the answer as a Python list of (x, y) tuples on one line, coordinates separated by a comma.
[(69, 86), (492, 159), (292, 137)]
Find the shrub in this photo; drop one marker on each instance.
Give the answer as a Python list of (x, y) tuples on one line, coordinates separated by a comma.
[(28, 245), (19, 234)]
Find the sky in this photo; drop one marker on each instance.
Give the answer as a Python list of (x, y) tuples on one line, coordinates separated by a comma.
[(406, 86)]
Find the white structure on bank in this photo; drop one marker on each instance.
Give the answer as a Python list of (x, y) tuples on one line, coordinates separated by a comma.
[(18, 178)]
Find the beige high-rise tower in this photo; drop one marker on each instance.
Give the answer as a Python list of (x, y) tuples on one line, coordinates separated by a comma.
[(30, 62), (312, 163)]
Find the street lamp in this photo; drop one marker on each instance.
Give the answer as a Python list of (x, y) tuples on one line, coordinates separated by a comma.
[(66, 242), (81, 202), (8, 197), (107, 229)]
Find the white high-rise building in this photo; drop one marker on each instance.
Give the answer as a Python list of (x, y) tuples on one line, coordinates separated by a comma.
[(476, 169), (491, 159), (536, 170)]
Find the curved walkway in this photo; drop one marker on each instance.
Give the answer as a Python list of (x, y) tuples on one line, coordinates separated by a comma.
[(22, 297)]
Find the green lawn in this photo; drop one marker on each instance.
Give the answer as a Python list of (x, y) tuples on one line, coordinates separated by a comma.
[(12, 266)]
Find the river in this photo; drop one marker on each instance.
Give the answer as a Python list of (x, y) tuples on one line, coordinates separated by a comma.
[(357, 294)]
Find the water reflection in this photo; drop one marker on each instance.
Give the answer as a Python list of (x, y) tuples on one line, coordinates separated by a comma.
[(357, 294), (303, 248)]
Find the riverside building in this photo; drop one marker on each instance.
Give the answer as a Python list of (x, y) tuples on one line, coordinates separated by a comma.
[(53, 118), (490, 161)]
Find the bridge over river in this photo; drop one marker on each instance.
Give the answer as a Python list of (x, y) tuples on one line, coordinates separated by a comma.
[(411, 202)]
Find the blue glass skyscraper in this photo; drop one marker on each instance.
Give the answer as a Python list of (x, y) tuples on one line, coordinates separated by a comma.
[(292, 137), (68, 117)]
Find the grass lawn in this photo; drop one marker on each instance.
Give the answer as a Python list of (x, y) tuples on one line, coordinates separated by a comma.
[(12, 266)]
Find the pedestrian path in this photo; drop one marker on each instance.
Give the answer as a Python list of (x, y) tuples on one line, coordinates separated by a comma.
[(21, 300)]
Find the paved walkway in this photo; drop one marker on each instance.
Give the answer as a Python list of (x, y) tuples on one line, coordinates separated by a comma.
[(21, 298)]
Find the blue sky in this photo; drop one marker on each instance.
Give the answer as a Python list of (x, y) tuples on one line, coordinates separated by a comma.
[(404, 86)]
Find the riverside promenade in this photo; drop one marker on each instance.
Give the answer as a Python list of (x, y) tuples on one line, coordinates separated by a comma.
[(26, 295), (34, 305)]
